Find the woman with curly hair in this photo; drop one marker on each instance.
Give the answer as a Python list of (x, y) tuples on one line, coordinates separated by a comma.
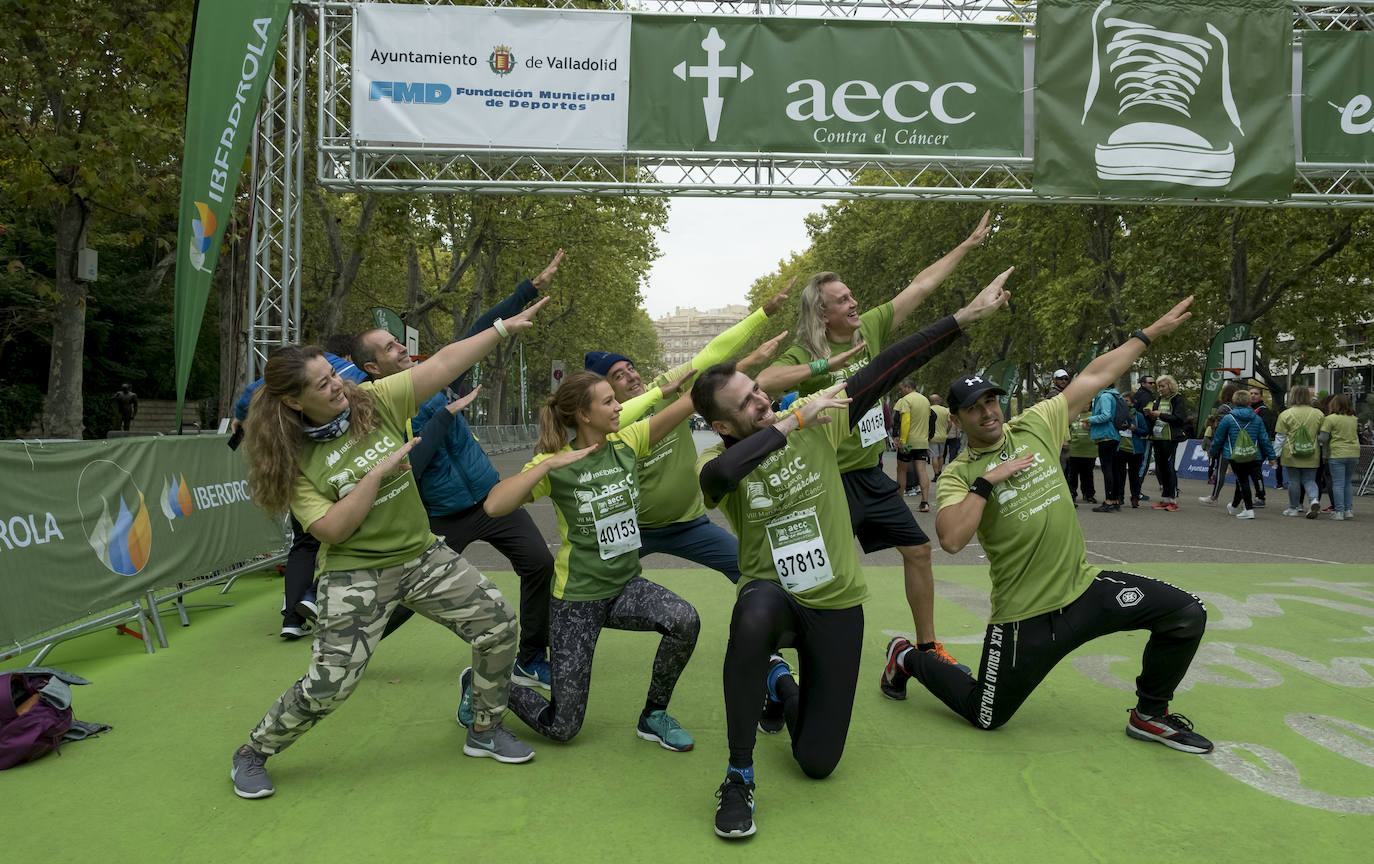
[(334, 454)]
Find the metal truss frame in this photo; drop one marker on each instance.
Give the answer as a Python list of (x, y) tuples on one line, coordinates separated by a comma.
[(343, 165)]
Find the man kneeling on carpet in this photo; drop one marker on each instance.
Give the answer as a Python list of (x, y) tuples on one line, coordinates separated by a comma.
[(1046, 599)]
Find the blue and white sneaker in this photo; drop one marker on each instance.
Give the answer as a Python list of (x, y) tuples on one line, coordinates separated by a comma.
[(535, 673), (466, 717), (659, 726)]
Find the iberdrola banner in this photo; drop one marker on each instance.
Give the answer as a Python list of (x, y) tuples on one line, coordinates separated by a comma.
[(89, 525), (1164, 98), (1338, 96), (232, 54)]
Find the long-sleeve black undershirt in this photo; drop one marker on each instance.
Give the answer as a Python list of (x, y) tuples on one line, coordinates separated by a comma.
[(723, 474)]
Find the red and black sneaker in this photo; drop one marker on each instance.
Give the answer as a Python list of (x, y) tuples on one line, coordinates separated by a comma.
[(1171, 730), (893, 682)]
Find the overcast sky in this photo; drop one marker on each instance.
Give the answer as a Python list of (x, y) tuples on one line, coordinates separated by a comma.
[(714, 249)]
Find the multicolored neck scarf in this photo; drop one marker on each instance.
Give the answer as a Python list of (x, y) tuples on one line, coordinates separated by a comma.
[(331, 430)]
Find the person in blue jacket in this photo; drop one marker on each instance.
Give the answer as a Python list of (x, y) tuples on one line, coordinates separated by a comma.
[(456, 478), (298, 607), (1108, 440), (1247, 466)]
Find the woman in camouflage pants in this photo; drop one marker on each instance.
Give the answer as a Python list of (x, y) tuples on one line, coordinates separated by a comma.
[(334, 454)]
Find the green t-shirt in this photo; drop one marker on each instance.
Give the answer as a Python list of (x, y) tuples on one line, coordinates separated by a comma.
[(1345, 439), (668, 489), (917, 408), (792, 519), (1299, 416), (942, 424), (595, 500), (396, 529), (1036, 557), (1081, 444), (875, 328)]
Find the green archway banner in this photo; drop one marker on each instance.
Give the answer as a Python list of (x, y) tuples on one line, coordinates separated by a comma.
[(234, 47), (1164, 98)]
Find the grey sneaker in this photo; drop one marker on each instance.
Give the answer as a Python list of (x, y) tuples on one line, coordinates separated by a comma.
[(250, 774), (498, 743)]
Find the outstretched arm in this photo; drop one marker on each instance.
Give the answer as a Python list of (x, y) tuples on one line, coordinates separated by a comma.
[(1108, 367), (930, 278), (507, 496), (457, 357), (778, 379), (901, 358)]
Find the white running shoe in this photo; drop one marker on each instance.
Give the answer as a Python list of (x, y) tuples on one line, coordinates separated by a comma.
[(1292, 512), (1246, 514), (1232, 509)]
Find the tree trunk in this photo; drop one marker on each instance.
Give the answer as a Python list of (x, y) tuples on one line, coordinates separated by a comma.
[(233, 326), (62, 412)]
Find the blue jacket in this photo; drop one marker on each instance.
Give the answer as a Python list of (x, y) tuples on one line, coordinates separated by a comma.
[(345, 368), (1229, 428), (1104, 413), (459, 475)]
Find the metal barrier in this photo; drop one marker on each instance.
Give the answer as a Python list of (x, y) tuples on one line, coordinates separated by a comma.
[(504, 439)]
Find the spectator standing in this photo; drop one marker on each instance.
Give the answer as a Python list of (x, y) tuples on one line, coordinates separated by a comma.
[(1297, 430), (1338, 435), (1082, 457), (1268, 418), (1107, 437), (1243, 442), (126, 403), (1168, 415), (1219, 464)]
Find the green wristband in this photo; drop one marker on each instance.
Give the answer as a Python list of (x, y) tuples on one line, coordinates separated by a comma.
[(820, 366)]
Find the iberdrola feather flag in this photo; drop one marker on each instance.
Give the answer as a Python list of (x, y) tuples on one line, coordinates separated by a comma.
[(232, 52)]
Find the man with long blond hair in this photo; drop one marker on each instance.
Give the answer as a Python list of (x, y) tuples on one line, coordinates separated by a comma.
[(830, 323)]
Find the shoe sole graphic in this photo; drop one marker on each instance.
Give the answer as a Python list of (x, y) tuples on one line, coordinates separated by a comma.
[(737, 835)]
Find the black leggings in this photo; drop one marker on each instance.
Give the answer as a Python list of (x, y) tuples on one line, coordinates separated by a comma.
[(1018, 655), (828, 643), (574, 627), (1113, 470), (1164, 467), (1132, 463), (299, 572), (1080, 477), (1246, 473)]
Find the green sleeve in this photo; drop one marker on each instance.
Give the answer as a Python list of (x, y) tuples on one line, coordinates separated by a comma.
[(636, 436), (724, 346), (639, 406)]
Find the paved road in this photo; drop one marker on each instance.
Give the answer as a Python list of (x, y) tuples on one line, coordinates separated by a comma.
[(1193, 533)]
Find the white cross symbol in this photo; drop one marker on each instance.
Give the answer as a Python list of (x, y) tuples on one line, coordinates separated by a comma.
[(969, 382), (712, 102)]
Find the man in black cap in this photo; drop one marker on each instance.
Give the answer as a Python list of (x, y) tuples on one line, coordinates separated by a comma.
[(1046, 599)]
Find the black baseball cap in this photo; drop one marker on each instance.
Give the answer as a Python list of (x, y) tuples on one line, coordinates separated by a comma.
[(968, 389)]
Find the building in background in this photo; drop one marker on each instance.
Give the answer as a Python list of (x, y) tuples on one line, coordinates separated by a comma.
[(686, 331)]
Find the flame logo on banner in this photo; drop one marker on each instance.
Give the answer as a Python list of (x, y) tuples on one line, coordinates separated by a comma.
[(122, 535), (203, 231), (176, 499)]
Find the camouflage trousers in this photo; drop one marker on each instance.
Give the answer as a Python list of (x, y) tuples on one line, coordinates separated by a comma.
[(354, 608)]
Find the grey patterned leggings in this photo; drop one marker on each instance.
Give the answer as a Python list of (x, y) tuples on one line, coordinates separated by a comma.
[(354, 607), (574, 627)]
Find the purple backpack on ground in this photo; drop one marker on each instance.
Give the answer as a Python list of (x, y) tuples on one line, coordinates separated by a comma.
[(29, 726)]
